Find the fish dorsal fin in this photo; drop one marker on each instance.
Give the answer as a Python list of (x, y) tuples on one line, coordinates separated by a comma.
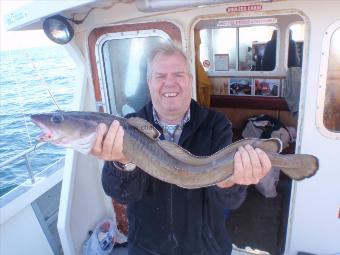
[(144, 126), (181, 154)]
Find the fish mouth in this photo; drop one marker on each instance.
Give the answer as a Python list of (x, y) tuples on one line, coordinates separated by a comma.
[(46, 133)]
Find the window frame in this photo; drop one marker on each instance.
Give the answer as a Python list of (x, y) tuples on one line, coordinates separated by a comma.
[(326, 42), (172, 29), (242, 72), (107, 105)]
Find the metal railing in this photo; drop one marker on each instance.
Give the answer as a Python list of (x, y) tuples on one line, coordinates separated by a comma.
[(24, 155)]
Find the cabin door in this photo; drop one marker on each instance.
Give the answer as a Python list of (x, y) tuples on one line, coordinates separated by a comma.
[(251, 67)]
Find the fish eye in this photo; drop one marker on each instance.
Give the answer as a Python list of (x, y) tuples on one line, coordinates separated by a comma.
[(57, 118)]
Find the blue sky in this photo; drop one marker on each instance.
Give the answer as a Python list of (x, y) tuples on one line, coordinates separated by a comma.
[(23, 39)]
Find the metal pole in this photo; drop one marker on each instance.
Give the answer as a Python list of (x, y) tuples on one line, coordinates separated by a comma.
[(22, 154), (29, 169)]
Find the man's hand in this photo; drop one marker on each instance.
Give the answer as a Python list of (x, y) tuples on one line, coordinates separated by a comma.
[(109, 143), (250, 166)]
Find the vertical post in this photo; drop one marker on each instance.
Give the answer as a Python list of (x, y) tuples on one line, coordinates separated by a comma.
[(210, 50), (29, 169), (237, 49)]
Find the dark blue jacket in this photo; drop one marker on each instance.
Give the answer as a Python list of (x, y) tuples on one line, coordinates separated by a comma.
[(166, 219)]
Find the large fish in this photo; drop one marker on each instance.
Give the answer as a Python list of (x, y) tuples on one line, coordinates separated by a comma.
[(162, 159)]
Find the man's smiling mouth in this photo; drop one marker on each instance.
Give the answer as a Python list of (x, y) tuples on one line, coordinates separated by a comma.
[(170, 94)]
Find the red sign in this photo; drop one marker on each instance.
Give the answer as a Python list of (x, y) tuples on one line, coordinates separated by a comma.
[(245, 8), (206, 63)]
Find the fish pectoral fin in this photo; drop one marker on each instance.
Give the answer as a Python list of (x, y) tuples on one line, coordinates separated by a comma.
[(83, 145), (144, 126), (181, 154)]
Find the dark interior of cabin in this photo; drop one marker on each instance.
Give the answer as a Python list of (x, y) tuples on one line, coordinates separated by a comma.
[(260, 222)]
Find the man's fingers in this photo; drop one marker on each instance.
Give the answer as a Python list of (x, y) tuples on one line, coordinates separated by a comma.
[(238, 168), (118, 142), (110, 137), (247, 167), (256, 164), (250, 165), (264, 160), (101, 131)]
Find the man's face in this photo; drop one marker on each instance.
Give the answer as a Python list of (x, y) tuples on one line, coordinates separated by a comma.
[(170, 85)]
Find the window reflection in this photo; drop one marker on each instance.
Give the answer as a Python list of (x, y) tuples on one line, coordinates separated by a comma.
[(133, 71), (331, 116), (296, 41), (224, 42), (246, 56), (252, 46), (125, 72), (268, 62), (218, 41)]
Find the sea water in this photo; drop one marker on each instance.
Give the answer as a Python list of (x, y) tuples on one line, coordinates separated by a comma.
[(23, 75)]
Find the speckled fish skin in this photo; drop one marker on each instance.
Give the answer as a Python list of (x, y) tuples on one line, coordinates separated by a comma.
[(162, 159)]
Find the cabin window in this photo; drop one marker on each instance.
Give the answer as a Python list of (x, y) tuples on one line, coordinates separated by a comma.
[(251, 48), (216, 42), (118, 63), (331, 113), (253, 45), (295, 45), (123, 68)]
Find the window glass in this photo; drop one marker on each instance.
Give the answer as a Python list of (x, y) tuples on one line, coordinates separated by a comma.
[(224, 42), (125, 72), (298, 32), (214, 43), (253, 43), (331, 116), (295, 48), (238, 49)]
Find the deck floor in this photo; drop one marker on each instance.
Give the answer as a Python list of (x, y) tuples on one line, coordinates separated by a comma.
[(260, 223), (119, 251)]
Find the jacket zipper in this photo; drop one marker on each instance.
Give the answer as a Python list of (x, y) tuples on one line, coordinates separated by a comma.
[(172, 236)]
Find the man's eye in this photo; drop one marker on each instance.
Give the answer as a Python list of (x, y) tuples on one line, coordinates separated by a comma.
[(179, 75)]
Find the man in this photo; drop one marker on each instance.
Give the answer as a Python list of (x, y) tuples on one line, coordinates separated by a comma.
[(164, 218)]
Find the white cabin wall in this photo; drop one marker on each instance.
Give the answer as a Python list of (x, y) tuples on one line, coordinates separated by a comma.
[(89, 200), (118, 13), (314, 225), (83, 202)]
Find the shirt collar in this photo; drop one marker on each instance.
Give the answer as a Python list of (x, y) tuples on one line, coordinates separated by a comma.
[(185, 119)]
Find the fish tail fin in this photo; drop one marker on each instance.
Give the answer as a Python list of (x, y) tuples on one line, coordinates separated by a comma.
[(295, 166)]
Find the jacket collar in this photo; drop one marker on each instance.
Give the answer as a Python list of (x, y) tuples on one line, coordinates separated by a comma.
[(185, 119), (197, 116)]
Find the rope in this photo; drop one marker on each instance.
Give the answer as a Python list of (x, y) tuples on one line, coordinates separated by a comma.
[(43, 81)]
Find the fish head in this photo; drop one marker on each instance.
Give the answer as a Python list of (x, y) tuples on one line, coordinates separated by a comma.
[(66, 129)]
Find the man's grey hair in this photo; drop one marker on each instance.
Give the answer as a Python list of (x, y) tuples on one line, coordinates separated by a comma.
[(168, 49)]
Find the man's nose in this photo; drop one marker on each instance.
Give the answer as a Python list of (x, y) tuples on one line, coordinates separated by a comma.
[(170, 79)]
